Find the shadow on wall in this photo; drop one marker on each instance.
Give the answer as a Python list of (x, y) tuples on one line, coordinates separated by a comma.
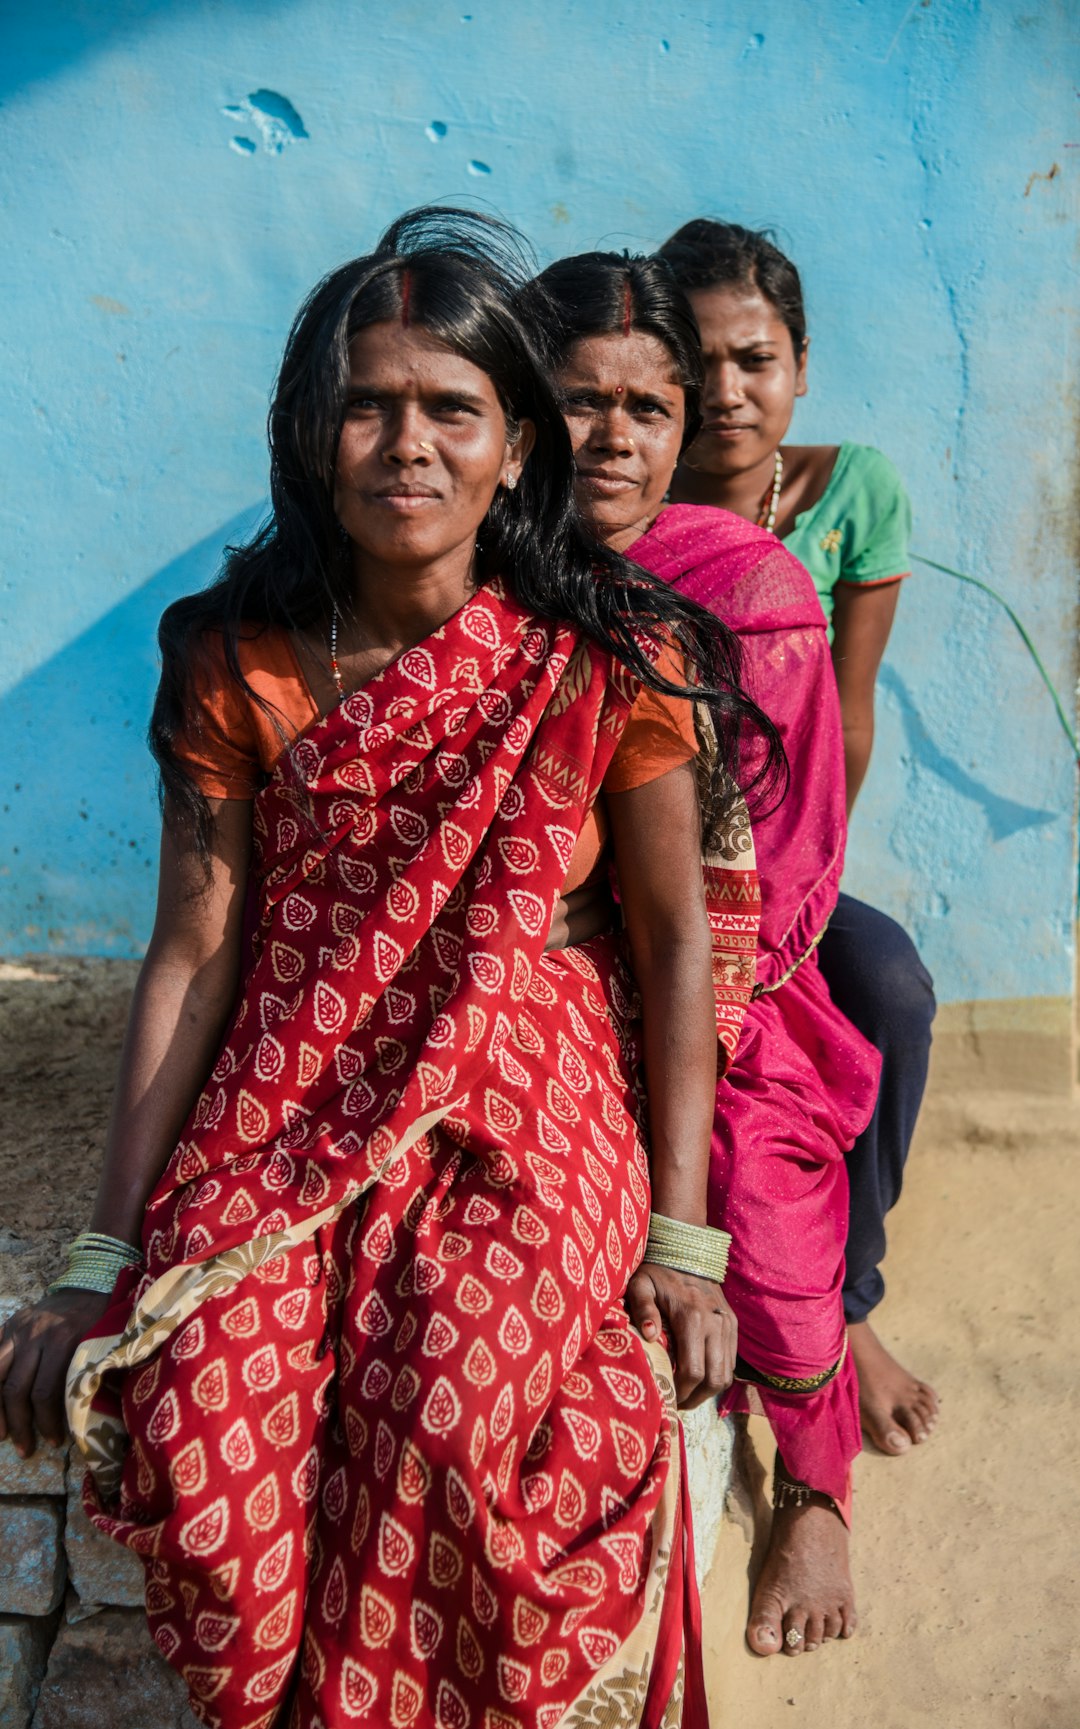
[(78, 873), (81, 876), (1004, 816), (42, 42)]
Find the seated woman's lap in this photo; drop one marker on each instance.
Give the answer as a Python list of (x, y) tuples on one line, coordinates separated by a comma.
[(372, 1425), (228, 1425)]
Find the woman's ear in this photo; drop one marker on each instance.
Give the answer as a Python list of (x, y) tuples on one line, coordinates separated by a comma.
[(517, 454), (800, 370)]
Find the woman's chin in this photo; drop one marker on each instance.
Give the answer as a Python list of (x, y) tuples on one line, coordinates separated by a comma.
[(707, 457), (406, 548), (606, 517)]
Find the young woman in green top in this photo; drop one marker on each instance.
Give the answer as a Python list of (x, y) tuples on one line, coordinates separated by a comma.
[(843, 511)]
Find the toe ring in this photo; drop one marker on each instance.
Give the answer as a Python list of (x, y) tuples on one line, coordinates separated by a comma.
[(793, 1637)]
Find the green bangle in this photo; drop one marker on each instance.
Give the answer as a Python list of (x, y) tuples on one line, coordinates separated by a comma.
[(95, 1262), (698, 1249)]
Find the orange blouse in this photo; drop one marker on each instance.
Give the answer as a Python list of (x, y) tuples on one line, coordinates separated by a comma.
[(233, 744)]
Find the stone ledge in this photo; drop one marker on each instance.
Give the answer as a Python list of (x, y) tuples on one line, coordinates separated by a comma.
[(108, 1671), (709, 1464), (31, 1556), (42, 1474), (102, 1572), (24, 1651)]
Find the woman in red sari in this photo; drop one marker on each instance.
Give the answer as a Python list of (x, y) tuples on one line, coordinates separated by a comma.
[(803, 1081), (366, 1397)]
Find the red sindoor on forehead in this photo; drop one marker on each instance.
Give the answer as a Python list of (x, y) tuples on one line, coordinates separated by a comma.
[(628, 309), (406, 295)]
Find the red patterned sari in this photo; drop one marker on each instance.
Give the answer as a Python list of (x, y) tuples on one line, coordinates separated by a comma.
[(374, 1416)]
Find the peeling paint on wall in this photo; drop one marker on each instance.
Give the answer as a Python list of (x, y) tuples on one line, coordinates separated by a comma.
[(270, 114)]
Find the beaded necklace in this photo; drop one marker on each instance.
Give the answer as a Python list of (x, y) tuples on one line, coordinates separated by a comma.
[(335, 670), (766, 517)]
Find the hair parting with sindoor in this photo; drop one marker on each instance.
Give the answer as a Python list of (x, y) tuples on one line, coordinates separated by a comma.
[(464, 275), (613, 294)]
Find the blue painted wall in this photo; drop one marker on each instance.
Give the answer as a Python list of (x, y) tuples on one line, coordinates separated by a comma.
[(175, 176)]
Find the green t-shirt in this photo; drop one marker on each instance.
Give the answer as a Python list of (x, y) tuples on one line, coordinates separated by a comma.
[(858, 530)]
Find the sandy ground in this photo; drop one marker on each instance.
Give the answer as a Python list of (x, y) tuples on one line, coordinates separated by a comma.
[(966, 1550)]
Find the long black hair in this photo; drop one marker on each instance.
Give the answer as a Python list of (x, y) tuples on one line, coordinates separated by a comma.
[(459, 276), (705, 253)]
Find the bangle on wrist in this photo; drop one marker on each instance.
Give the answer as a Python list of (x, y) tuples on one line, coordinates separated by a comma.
[(94, 1263), (698, 1249)]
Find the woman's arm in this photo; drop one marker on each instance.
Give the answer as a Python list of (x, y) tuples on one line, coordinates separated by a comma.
[(862, 620), (656, 834), (185, 990)]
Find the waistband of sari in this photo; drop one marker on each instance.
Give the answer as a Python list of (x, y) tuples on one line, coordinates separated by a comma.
[(745, 1371), (789, 972)]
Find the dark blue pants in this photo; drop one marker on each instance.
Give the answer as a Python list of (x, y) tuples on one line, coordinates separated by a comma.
[(875, 977)]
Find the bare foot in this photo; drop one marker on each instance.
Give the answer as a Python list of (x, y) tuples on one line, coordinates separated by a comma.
[(805, 1585), (897, 1410)]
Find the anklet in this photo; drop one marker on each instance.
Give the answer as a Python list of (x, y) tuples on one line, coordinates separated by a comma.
[(789, 1491)]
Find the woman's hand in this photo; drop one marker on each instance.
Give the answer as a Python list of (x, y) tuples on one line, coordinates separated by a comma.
[(701, 1329), (36, 1346)]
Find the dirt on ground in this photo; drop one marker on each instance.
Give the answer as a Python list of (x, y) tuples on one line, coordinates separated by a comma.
[(965, 1549), (61, 1023)]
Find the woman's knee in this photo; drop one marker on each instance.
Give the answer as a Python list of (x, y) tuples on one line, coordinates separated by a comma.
[(905, 986), (876, 975)]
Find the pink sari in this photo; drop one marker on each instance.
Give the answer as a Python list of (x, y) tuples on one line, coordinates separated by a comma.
[(804, 1081)]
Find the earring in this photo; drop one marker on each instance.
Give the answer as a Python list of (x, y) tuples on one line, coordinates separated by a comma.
[(511, 482)]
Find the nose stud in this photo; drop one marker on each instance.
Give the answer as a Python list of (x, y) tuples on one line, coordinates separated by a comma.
[(430, 448)]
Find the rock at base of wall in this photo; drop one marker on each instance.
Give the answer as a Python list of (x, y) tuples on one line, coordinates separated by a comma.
[(24, 1650), (31, 1557), (107, 1672), (41, 1474), (101, 1571), (709, 1449)]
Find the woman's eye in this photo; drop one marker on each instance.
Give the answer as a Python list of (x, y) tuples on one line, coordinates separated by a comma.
[(453, 405), (362, 405), (651, 408)]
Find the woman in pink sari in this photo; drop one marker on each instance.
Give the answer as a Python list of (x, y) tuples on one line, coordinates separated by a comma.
[(388, 1247), (803, 1082)]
